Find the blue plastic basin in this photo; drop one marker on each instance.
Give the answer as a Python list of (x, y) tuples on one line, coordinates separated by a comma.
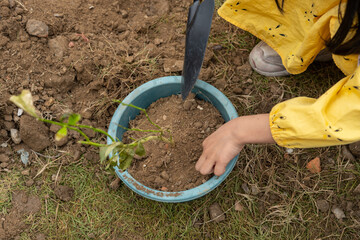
[(142, 97)]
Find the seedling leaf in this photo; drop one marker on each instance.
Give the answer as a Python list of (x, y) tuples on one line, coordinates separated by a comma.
[(140, 150), (105, 151), (74, 118), (25, 102), (126, 162), (61, 134)]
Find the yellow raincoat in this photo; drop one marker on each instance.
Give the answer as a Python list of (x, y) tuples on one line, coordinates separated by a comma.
[(298, 36)]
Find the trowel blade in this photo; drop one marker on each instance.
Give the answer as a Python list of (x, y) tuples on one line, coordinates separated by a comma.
[(197, 35)]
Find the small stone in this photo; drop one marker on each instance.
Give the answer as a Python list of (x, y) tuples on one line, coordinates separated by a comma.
[(255, 190), (216, 213), (15, 136), (114, 185), (4, 164), (3, 133), (355, 148), (3, 41), (49, 102), (220, 84), (198, 124), (188, 104), (58, 46), (37, 28), (239, 207), (20, 112), (158, 41), (129, 59), (245, 70), (19, 11), (165, 175), (159, 164), (164, 189), (322, 205), (40, 236), (79, 67), (124, 14), (164, 117), (59, 15), (26, 172), (247, 91), (4, 158), (173, 65), (77, 155), (29, 182), (349, 206), (245, 187), (55, 178), (347, 153), (237, 90), (12, 3), (339, 214), (357, 189), (8, 118)]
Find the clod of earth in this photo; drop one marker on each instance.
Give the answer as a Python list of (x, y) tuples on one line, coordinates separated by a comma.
[(4, 158), (34, 133), (355, 148), (322, 205), (64, 193), (58, 46), (216, 213), (114, 185)]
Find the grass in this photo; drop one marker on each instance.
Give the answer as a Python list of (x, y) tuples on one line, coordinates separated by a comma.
[(285, 208)]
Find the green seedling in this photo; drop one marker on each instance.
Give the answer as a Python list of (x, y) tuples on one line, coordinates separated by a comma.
[(117, 153)]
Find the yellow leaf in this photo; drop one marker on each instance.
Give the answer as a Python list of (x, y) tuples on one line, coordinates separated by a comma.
[(25, 102)]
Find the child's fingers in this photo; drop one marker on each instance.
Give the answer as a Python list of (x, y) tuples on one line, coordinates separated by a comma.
[(220, 168)]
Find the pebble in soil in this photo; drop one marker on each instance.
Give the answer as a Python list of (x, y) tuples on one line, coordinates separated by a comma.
[(173, 167)]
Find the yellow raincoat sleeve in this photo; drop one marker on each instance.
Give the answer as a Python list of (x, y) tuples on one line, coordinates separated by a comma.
[(332, 119), (298, 35)]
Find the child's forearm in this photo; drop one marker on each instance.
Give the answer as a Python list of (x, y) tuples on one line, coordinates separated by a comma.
[(253, 129)]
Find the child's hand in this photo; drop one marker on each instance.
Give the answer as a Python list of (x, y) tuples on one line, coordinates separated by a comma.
[(226, 142)]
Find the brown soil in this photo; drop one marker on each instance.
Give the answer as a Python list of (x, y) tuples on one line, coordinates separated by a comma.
[(167, 167), (90, 52), (14, 222)]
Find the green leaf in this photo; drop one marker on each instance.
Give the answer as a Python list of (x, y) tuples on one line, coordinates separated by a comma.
[(126, 163), (25, 102), (74, 119), (61, 134), (140, 150), (102, 154), (105, 151)]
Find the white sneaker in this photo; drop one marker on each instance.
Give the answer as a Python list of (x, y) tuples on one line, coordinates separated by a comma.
[(266, 61)]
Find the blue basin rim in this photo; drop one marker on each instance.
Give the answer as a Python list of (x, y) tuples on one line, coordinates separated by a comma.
[(148, 93)]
